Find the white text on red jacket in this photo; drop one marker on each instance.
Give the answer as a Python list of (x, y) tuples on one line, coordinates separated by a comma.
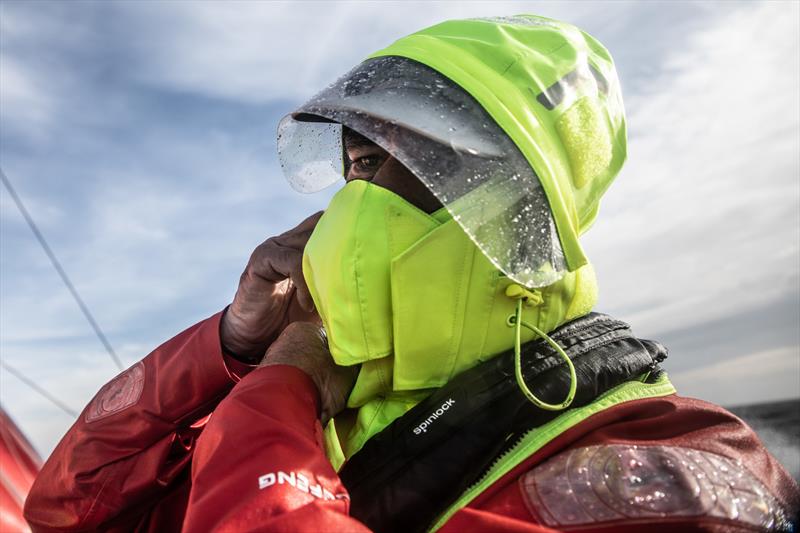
[(298, 481)]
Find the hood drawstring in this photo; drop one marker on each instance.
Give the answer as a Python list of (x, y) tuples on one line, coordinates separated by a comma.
[(531, 299)]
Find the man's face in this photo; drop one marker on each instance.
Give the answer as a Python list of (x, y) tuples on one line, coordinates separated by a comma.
[(368, 161)]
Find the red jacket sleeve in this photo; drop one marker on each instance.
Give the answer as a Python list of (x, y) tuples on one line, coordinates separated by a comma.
[(260, 464), (133, 438)]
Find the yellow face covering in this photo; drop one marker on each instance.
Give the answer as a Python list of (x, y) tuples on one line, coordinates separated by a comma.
[(410, 297), (347, 264)]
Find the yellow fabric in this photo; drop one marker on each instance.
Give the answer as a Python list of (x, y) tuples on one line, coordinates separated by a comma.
[(448, 313), (346, 266), (586, 140), (554, 91), (410, 297)]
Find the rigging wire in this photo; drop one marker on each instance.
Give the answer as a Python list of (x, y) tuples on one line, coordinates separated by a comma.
[(32, 384), (61, 271)]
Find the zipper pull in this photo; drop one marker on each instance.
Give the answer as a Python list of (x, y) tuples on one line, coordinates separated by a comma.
[(531, 299)]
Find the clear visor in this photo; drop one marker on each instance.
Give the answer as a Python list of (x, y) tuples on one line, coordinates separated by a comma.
[(442, 135)]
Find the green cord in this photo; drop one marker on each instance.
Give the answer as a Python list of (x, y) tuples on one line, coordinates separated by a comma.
[(573, 378)]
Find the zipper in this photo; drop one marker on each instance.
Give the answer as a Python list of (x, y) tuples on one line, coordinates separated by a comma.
[(536, 438)]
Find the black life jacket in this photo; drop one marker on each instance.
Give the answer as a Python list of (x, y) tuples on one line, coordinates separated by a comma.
[(410, 472)]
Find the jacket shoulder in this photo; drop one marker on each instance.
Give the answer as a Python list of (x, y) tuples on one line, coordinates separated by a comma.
[(674, 460)]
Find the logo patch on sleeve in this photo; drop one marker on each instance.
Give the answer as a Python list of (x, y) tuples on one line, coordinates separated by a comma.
[(606, 483), (120, 393)]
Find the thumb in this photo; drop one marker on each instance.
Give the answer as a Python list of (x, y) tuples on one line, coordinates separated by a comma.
[(302, 293), (305, 300)]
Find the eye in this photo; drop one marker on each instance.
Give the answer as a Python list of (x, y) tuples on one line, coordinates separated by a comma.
[(367, 163), (365, 167)]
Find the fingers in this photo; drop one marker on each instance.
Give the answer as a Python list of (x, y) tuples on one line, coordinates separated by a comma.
[(281, 257), (303, 294), (303, 345), (271, 293), (297, 313), (300, 344), (275, 262), (309, 223), (283, 263), (298, 235), (297, 238)]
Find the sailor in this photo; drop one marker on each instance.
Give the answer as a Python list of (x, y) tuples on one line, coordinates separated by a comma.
[(462, 380)]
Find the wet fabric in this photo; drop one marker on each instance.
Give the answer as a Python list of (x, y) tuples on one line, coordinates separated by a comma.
[(347, 265), (554, 91), (448, 141), (445, 299), (613, 482), (394, 285), (515, 124), (411, 471)]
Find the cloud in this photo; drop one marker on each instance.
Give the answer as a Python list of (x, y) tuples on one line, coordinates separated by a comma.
[(704, 220), (260, 52), (73, 382), (26, 106), (767, 375)]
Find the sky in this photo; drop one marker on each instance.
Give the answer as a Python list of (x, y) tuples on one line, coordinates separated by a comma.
[(141, 137)]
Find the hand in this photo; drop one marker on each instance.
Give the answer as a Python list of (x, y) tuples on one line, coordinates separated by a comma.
[(304, 345), (272, 293)]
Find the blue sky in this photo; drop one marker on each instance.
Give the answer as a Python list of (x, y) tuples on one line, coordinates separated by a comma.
[(141, 136)]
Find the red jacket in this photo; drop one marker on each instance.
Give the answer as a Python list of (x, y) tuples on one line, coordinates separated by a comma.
[(133, 461)]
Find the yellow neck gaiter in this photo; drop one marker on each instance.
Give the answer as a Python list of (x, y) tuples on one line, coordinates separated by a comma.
[(411, 298)]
